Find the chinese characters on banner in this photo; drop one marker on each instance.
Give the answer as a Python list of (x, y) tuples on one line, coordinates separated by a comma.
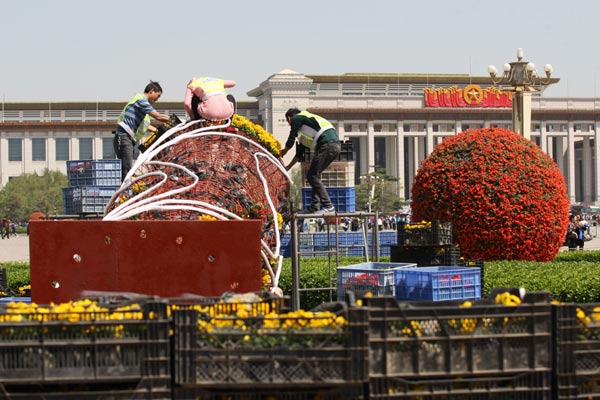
[(470, 96)]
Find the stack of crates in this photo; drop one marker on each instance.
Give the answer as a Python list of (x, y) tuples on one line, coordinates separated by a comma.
[(425, 244), (91, 185), (442, 274), (338, 178)]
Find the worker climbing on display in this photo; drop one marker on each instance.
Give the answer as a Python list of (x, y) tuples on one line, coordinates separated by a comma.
[(134, 123), (317, 134), (206, 98)]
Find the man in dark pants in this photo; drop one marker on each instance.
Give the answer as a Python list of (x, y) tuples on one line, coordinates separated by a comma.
[(134, 122), (317, 134)]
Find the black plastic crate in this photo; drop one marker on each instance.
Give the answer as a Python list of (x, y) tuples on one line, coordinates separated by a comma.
[(426, 233), (151, 389), (252, 304), (214, 350), (425, 256), (519, 386), (84, 346), (344, 392), (416, 340), (577, 343)]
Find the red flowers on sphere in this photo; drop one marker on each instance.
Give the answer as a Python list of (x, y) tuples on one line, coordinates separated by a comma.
[(505, 197)]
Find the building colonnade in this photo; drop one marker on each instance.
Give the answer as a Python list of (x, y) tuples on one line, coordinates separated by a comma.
[(384, 115)]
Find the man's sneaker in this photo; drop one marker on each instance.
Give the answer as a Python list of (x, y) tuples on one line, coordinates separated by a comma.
[(329, 209), (309, 211)]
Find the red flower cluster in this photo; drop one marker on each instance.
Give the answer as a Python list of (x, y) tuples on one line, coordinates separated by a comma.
[(506, 198)]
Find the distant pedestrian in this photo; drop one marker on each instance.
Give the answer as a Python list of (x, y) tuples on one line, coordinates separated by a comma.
[(6, 228)]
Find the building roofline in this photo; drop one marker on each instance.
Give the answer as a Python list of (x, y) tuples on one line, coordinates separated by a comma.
[(101, 105), (440, 110), (50, 126), (427, 79)]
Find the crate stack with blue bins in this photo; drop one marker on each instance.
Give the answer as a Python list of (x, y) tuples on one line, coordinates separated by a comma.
[(349, 243), (442, 273), (91, 185), (338, 178)]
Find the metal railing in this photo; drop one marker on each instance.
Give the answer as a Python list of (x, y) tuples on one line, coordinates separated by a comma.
[(333, 247)]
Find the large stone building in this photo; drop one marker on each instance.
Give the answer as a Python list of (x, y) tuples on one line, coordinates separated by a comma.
[(393, 120)]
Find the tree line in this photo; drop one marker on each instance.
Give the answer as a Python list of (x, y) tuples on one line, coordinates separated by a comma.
[(27, 193)]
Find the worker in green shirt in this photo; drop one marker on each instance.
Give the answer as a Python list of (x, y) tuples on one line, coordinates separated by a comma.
[(317, 134)]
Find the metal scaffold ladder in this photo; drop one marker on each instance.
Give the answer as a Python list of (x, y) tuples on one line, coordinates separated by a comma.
[(333, 247)]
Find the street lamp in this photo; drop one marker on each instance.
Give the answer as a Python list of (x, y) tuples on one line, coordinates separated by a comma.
[(523, 79), (371, 181)]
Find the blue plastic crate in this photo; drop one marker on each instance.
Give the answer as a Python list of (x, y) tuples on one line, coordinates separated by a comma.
[(352, 238), (94, 172), (67, 194), (321, 239), (305, 239), (384, 250), (87, 199), (438, 283), (82, 166), (389, 237), (79, 192), (342, 198), (356, 251), (374, 278), (91, 181)]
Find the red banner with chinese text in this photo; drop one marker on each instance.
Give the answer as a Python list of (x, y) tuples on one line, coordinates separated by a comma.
[(470, 96)]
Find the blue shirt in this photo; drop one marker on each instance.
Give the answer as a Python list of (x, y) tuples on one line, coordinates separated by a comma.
[(134, 114)]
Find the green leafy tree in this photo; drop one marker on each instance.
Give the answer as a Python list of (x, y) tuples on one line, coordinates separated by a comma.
[(32, 192), (383, 188), (296, 187)]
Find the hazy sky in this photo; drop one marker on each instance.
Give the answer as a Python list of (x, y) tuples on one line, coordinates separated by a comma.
[(107, 50)]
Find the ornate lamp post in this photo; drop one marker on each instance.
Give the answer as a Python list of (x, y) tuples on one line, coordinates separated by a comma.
[(523, 79)]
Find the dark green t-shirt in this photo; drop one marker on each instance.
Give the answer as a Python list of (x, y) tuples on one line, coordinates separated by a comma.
[(297, 121)]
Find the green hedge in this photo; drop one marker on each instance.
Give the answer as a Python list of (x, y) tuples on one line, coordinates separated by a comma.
[(570, 277), (17, 275)]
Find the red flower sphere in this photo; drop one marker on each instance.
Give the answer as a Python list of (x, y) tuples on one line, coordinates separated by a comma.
[(505, 197)]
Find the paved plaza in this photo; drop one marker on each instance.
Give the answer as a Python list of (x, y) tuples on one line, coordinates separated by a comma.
[(16, 248)]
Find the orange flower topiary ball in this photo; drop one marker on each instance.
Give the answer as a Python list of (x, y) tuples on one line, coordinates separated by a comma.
[(505, 197)]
